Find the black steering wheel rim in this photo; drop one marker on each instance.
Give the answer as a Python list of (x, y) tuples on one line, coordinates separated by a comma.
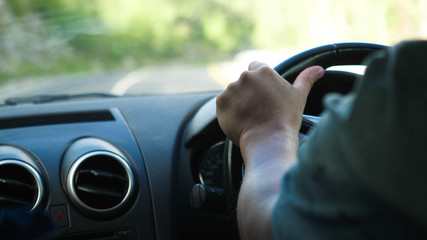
[(325, 56), (353, 53)]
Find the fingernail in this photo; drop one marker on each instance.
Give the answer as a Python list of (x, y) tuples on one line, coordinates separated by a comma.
[(319, 73)]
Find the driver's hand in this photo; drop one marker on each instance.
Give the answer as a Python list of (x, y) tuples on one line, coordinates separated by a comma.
[(262, 101), (262, 114)]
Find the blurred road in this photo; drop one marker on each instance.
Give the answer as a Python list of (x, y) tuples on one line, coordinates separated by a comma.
[(165, 79), (148, 80)]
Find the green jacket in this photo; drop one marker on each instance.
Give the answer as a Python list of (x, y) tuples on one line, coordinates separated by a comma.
[(363, 172)]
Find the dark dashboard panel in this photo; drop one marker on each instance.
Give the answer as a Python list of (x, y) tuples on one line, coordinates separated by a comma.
[(146, 131), (47, 142), (163, 141)]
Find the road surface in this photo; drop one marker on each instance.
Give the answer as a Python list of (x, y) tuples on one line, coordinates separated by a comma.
[(164, 79), (147, 80)]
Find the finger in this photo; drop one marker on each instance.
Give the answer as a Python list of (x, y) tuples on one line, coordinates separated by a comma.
[(255, 65), (307, 78)]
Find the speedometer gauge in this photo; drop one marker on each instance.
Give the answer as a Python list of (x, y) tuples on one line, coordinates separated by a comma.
[(210, 168)]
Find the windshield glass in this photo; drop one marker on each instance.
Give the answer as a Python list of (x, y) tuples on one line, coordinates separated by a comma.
[(125, 47)]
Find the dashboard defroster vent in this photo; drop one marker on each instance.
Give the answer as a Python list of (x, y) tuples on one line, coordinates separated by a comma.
[(57, 118)]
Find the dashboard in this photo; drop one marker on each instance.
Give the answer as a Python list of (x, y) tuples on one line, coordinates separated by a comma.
[(120, 167), (131, 167), (102, 168)]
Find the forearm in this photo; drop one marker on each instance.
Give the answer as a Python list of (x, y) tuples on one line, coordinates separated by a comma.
[(268, 156)]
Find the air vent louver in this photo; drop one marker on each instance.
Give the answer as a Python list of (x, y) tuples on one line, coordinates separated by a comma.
[(101, 181), (20, 185), (98, 178)]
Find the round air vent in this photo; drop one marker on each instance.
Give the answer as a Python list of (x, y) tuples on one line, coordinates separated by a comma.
[(100, 183), (22, 182), (20, 185)]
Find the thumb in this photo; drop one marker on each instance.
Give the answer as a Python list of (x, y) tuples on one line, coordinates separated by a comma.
[(307, 78)]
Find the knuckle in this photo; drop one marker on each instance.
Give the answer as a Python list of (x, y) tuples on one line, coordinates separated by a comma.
[(244, 75), (311, 80), (253, 65), (232, 87), (245, 78), (222, 99), (254, 62), (265, 70)]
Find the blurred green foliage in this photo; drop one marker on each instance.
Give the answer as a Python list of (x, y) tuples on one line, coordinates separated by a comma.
[(57, 36)]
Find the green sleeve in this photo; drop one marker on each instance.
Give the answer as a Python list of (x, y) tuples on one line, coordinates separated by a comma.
[(363, 171)]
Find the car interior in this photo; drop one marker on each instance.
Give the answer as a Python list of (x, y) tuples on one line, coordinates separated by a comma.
[(141, 166)]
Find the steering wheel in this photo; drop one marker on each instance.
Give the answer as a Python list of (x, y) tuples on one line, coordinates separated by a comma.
[(325, 56)]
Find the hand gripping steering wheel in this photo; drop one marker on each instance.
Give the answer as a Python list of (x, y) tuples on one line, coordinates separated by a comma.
[(324, 56)]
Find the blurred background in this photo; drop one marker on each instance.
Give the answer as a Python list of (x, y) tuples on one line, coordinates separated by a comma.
[(46, 37)]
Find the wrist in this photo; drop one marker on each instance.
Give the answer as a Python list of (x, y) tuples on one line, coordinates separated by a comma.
[(268, 152), (274, 146)]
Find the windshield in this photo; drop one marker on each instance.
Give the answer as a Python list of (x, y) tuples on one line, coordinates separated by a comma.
[(126, 47)]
